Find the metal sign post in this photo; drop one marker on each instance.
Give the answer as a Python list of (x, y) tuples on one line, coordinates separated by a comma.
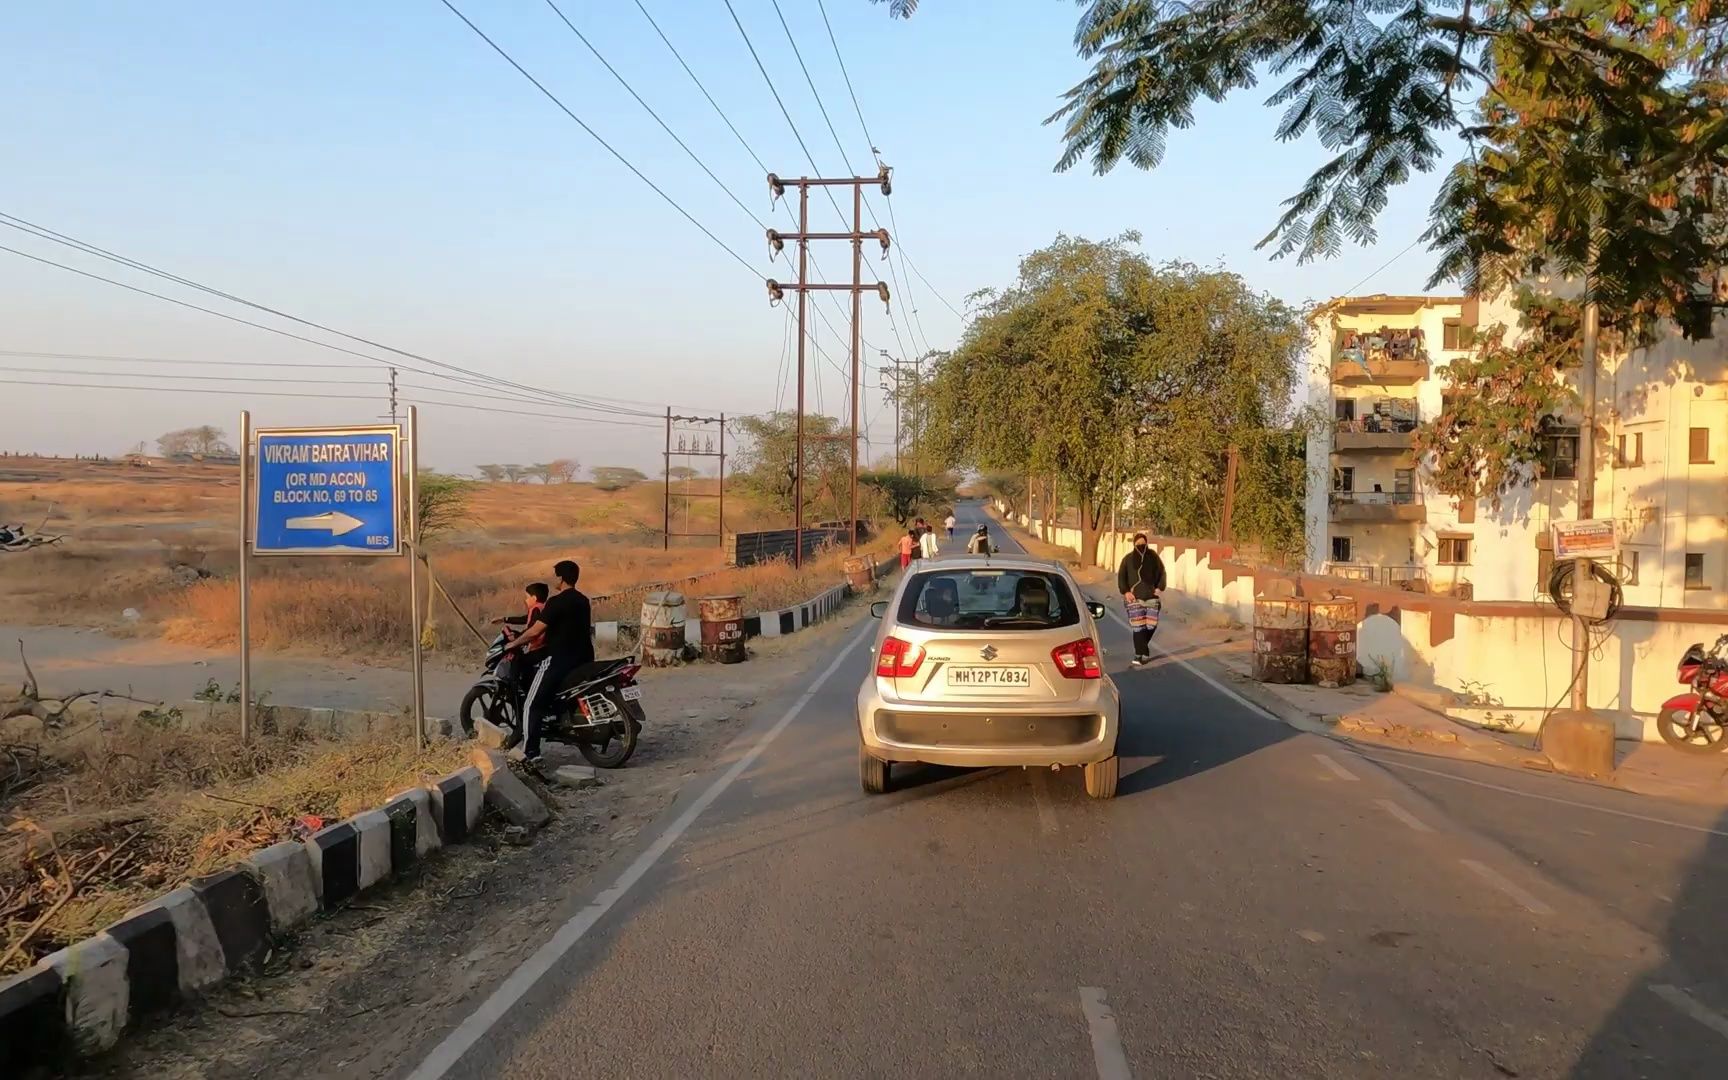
[(321, 492), (245, 576), (414, 574)]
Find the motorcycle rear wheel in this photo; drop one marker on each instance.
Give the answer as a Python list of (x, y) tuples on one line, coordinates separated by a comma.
[(481, 702), (619, 745), (1675, 727)]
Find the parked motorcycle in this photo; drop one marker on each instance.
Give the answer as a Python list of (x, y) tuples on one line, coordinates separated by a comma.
[(1698, 721), (599, 708)]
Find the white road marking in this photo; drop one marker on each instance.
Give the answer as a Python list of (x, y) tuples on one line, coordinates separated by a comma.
[(447, 1053), (1690, 1005), (1548, 798), (1404, 815), (1523, 898), (1337, 770), (1107, 1052), (1041, 799), (1314, 937)]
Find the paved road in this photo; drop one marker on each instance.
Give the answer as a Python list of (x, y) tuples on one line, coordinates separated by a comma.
[(1255, 902)]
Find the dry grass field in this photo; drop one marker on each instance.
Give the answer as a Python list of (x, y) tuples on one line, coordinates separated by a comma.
[(161, 540)]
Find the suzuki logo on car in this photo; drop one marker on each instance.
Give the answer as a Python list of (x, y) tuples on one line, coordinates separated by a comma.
[(988, 652)]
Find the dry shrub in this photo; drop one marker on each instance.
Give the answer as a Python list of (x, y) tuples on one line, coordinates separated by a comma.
[(183, 804)]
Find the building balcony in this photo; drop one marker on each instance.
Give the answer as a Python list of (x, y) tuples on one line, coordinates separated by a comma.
[(1376, 507), (1351, 368), (1409, 578), (1374, 435)]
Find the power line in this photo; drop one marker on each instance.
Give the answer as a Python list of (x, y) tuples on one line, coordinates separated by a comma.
[(194, 378), (554, 99), (583, 38), (822, 107), (111, 359), (1376, 272), (45, 233), (823, 7)]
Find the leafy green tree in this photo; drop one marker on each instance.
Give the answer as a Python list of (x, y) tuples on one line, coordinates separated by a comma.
[(766, 461), (442, 503), (1593, 135), (903, 493), (616, 477), (490, 473), (1008, 487), (1102, 373)]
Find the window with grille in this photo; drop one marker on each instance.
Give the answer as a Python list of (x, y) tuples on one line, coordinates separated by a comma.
[(1695, 570), (1698, 446), (1454, 551), (1340, 549)]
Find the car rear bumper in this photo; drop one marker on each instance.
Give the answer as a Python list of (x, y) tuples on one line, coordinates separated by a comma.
[(983, 736)]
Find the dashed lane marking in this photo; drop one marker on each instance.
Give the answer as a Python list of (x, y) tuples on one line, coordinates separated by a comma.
[(1404, 815), (1332, 766), (1107, 1053), (1690, 1005), (1518, 893)]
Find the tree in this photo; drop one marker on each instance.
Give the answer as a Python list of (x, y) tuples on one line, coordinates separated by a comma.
[(681, 472), (562, 470), (542, 473), (1096, 372), (442, 503), (514, 473), (491, 473), (766, 460), (616, 477), (1594, 135), (1008, 487), (204, 441), (904, 493)]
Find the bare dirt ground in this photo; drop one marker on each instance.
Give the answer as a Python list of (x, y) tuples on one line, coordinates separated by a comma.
[(340, 998)]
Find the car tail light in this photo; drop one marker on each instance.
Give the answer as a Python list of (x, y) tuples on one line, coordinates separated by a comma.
[(1078, 660), (899, 659)]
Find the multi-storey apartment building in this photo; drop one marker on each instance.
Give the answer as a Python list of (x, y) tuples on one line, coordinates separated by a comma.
[(1376, 368)]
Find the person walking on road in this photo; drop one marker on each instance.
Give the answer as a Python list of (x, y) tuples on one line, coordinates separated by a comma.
[(927, 544), (908, 547), (1140, 580), (950, 524), (980, 542)]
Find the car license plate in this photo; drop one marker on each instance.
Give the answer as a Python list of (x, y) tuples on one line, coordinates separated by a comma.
[(631, 693), (989, 676)]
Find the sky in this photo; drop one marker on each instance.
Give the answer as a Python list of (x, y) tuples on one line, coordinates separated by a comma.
[(379, 169)]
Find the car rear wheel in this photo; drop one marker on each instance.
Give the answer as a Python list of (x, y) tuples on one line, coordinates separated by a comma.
[(1101, 777), (872, 773)]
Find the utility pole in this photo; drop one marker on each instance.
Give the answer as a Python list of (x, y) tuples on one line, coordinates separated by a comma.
[(777, 291), (689, 447), (393, 419), (898, 372), (1231, 457)]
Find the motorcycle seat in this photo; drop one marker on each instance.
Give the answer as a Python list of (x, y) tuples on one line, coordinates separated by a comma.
[(593, 672)]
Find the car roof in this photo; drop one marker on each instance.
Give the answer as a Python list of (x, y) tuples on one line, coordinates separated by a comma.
[(988, 562)]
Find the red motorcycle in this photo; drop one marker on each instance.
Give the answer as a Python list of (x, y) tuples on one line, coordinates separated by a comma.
[(1698, 721)]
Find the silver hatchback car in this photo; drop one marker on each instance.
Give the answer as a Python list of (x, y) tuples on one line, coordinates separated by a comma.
[(989, 661)]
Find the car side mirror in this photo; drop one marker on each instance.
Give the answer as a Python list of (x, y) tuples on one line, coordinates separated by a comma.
[(878, 609), (1095, 608)]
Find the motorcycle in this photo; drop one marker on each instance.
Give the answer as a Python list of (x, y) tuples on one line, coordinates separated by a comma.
[(1697, 721), (599, 708)]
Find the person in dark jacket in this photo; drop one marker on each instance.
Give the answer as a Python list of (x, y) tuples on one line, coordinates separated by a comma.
[(1140, 580)]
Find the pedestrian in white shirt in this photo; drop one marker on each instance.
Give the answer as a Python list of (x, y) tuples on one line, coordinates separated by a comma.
[(927, 544), (950, 524)]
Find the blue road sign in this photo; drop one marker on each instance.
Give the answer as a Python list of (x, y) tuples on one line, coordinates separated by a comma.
[(329, 491)]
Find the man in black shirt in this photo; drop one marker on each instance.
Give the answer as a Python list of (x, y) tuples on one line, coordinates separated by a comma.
[(566, 629)]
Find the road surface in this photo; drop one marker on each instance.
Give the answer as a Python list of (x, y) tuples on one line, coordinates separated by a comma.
[(1256, 902)]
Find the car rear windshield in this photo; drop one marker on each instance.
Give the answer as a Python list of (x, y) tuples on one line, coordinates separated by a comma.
[(988, 600)]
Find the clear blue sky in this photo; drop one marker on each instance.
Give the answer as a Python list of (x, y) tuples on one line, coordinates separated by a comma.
[(377, 167)]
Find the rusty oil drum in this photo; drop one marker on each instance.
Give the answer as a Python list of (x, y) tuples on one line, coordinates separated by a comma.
[(861, 574), (1280, 639), (722, 628), (662, 629), (1332, 641)]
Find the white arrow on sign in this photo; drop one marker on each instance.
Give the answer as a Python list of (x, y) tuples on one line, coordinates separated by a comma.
[(334, 521)]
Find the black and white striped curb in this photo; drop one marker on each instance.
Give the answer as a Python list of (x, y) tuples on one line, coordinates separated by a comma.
[(80, 1000), (764, 623)]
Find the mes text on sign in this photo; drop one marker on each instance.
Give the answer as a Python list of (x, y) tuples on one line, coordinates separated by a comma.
[(328, 491)]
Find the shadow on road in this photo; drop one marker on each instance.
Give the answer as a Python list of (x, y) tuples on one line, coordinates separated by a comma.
[(1672, 1019)]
